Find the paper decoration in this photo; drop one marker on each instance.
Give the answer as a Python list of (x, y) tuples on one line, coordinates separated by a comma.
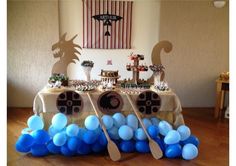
[(107, 24), (156, 51), (66, 51), (109, 62)]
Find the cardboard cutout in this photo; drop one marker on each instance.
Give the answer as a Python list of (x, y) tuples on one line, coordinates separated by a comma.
[(156, 54), (66, 51)]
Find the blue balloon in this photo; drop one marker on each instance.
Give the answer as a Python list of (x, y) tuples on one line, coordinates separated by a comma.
[(146, 123), (173, 151), (102, 139), (155, 121), (52, 131), (161, 144), (39, 150), (72, 130), (40, 136), (84, 149), (153, 131), (142, 147), (35, 122), (52, 148), (172, 137), (66, 151), (132, 121), (140, 134), (22, 149), (192, 139), (118, 119), (117, 142), (97, 147), (113, 133), (189, 152), (184, 132), (25, 141), (107, 121), (59, 139), (89, 137), (91, 122), (73, 143), (59, 121), (26, 131), (63, 130), (164, 127), (127, 146), (81, 133), (98, 131), (125, 132)]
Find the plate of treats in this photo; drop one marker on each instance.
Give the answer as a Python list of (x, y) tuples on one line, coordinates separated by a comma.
[(84, 86)]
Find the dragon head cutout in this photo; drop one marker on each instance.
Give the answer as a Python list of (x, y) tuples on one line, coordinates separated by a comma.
[(63, 48), (67, 51)]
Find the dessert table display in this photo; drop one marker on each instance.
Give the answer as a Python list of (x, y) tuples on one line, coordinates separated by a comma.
[(74, 117)]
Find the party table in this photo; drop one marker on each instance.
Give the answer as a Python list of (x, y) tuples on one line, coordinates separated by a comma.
[(45, 106)]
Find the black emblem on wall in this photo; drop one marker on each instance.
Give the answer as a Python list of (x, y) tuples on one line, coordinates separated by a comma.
[(107, 19)]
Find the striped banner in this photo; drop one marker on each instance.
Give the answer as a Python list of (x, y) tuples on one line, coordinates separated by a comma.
[(107, 24)]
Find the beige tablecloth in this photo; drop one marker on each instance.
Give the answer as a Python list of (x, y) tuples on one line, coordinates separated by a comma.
[(45, 105)]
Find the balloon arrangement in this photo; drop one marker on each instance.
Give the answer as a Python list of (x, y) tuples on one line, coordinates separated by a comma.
[(125, 131)]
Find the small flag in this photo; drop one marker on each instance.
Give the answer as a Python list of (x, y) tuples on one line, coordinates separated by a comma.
[(109, 62)]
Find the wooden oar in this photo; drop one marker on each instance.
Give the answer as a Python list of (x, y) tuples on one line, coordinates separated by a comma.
[(113, 151), (154, 147)]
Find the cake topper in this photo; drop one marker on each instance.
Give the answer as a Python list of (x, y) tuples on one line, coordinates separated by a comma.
[(66, 51)]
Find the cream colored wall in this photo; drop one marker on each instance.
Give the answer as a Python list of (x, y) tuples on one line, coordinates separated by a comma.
[(199, 33), (145, 34), (32, 29)]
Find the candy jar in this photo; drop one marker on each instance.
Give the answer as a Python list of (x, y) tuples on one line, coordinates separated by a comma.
[(87, 67)]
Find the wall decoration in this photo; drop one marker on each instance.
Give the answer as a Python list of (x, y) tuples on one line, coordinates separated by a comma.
[(109, 62), (107, 24), (67, 52)]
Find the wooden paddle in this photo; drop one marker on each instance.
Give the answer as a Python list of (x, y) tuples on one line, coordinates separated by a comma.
[(154, 147), (113, 151)]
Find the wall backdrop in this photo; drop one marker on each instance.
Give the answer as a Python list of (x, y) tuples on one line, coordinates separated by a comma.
[(199, 33), (32, 28), (197, 30)]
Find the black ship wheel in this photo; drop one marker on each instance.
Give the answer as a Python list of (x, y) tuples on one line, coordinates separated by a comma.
[(110, 102), (148, 102), (69, 102)]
